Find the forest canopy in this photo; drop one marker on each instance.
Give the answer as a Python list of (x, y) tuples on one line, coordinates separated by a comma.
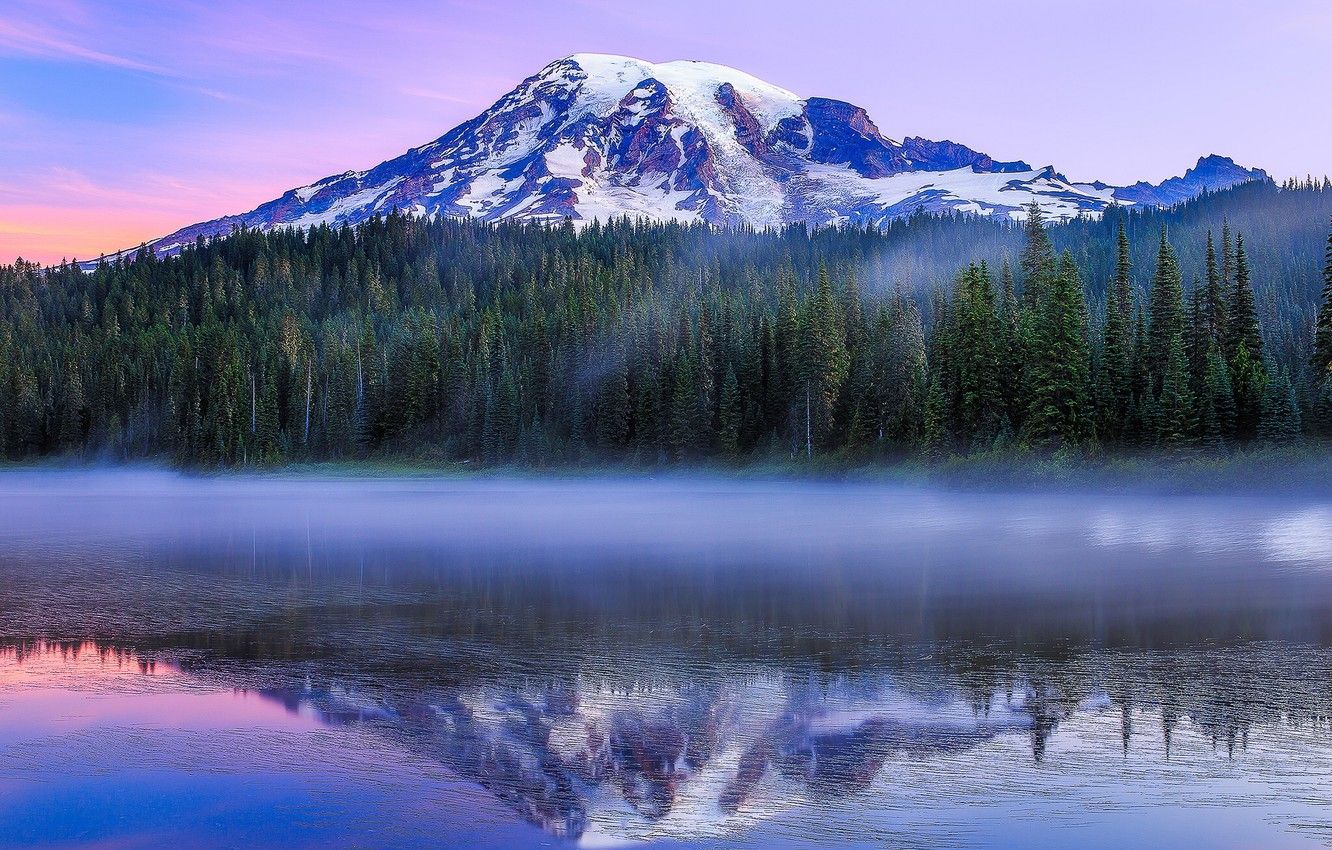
[(1194, 329)]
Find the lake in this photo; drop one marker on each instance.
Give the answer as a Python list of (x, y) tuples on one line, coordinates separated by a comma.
[(680, 662)]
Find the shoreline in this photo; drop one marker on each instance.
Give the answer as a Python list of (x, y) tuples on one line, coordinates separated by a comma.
[(1255, 473)]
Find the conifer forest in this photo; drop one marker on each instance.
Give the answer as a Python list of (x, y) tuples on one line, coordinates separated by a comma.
[(1205, 328)]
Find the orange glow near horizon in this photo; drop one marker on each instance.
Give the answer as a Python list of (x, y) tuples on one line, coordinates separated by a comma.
[(50, 236)]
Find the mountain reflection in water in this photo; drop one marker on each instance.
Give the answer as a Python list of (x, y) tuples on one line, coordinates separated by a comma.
[(713, 663)]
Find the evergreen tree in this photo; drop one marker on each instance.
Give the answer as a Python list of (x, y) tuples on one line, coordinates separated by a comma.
[(72, 425), (1280, 419), (1123, 282), (684, 415), (1060, 413), (1214, 299), (1321, 362), (266, 436), (902, 372), (370, 401), (419, 364), (613, 407), (1197, 340), (823, 362), (1243, 331), (1167, 313), (1038, 258), (1137, 427), (1249, 379), (706, 376), (785, 374), (934, 436), (974, 351), (1011, 352), (1175, 426), (1227, 262), (1114, 389), (728, 430), (1222, 394), (1322, 411)]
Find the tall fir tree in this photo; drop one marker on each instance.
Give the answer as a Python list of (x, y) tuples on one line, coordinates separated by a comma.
[(980, 399), (1123, 282), (1174, 409), (1114, 389), (729, 415), (1011, 350), (1244, 330), (1227, 259), (1138, 426), (1248, 377), (1222, 394), (1321, 362), (823, 362), (1214, 298), (1166, 312), (902, 373), (1038, 261), (1061, 415)]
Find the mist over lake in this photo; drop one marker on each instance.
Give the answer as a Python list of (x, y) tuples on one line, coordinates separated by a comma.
[(687, 661)]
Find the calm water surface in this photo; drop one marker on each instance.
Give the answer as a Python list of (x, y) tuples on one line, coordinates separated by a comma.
[(224, 662)]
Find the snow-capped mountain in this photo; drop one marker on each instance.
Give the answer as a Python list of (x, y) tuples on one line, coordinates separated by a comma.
[(594, 136)]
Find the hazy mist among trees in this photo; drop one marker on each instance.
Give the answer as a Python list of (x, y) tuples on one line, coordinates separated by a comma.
[(1196, 329)]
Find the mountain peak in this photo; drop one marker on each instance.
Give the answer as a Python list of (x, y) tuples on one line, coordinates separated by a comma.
[(610, 73), (1212, 173), (595, 136), (1225, 167)]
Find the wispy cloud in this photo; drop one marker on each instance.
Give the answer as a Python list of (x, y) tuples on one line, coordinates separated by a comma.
[(31, 41), (143, 191), (444, 97)]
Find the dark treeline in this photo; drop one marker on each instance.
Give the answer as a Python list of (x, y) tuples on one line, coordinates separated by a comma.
[(1187, 330)]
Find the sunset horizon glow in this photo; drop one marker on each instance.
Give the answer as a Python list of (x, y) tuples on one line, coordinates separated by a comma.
[(119, 125)]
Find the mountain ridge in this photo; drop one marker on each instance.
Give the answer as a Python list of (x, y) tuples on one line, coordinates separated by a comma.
[(595, 136)]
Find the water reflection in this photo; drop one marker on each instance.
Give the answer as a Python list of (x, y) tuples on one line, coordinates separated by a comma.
[(712, 757), (610, 662)]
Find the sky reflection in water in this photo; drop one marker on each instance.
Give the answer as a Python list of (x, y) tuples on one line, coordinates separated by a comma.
[(223, 662)]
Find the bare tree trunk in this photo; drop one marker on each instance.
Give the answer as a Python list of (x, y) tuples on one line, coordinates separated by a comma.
[(309, 394), (254, 419), (809, 434), (360, 379)]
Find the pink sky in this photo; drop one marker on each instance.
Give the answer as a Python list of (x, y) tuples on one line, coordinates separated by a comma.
[(120, 122)]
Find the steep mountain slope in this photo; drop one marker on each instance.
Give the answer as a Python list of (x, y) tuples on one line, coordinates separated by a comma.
[(594, 136)]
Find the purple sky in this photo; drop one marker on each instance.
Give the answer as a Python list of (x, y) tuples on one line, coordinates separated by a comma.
[(123, 121)]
